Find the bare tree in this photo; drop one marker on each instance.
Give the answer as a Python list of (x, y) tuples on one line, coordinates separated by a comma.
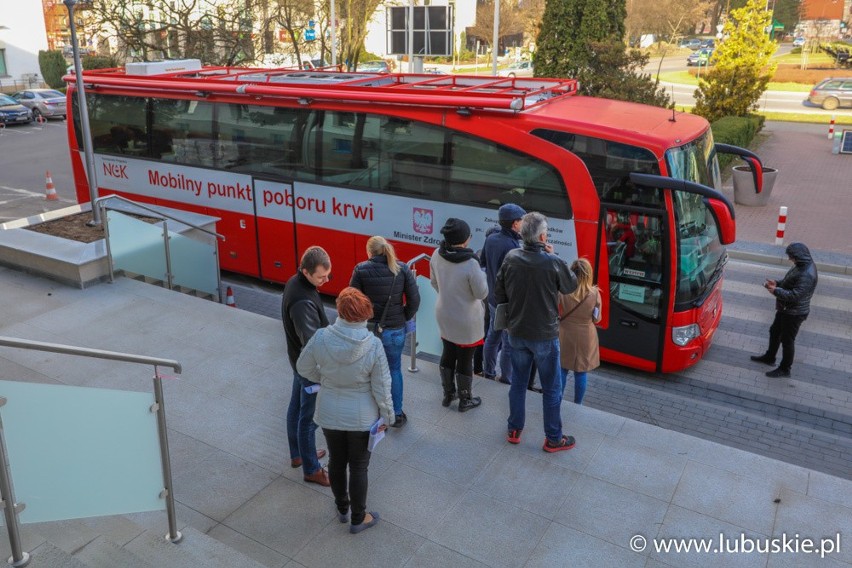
[(354, 16), (511, 21)]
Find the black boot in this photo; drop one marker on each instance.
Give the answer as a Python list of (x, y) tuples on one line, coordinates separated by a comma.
[(449, 386), (765, 359), (466, 401)]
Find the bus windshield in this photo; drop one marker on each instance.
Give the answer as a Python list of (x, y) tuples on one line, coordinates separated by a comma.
[(700, 253)]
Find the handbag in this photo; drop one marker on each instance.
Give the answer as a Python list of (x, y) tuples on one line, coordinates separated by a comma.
[(501, 316), (379, 327)]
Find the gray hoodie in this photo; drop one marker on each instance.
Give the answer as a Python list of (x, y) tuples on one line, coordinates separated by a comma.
[(350, 365)]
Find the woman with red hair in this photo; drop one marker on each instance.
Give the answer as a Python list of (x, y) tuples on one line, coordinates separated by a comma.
[(350, 365)]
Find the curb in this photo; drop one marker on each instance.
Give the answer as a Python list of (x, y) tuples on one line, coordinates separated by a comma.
[(782, 261)]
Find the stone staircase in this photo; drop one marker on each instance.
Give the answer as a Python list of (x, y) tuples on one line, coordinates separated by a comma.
[(78, 544)]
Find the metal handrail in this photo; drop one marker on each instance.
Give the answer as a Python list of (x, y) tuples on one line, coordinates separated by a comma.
[(159, 214), (412, 368), (159, 407)]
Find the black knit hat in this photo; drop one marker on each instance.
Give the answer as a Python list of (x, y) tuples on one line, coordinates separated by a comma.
[(455, 231)]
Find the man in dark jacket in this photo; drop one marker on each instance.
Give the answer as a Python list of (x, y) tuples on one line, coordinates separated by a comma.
[(496, 247), (792, 306), (303, 314), (529, 281)]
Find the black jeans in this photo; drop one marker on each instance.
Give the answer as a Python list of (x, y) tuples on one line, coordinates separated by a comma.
[(783, 333), (457, 358), (348, 449)]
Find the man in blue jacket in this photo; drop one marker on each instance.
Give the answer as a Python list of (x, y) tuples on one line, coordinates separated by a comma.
[(792, 306), (496, 247)]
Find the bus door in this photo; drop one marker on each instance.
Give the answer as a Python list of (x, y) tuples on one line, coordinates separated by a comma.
[(635, 244), (276, 232)]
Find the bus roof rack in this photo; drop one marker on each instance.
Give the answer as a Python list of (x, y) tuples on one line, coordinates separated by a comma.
[(454, 91)]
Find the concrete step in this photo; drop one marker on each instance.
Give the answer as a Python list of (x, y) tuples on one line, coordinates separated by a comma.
[(47, 555), (195, 550), (101, 553)]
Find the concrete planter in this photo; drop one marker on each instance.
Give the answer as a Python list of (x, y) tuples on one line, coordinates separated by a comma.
[(744, 193)]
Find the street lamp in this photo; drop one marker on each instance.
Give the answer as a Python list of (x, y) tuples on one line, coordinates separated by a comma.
[(91, 173)]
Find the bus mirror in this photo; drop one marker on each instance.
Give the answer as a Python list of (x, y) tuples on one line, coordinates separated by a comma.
[(750, 158), (724, 220)]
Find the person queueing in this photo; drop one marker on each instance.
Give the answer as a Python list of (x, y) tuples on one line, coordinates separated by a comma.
[(349, 363), (391, 287), (578, 338), (303, 314), (494, 251), (461, 287), (792, 305), (530, 281)]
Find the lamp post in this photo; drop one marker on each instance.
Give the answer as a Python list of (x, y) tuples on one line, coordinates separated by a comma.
[(495, 42), (91, 173)]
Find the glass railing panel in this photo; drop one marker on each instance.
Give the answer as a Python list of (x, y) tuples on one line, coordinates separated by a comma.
[(81, 452), (194, 263), (428, 335), (136, 246)]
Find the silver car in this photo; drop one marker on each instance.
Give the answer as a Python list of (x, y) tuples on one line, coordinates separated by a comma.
[(519, 69), (832, 93), (43, 102)]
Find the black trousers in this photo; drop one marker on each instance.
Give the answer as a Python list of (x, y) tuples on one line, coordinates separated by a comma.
[(348, 450), (783, 333), (457, 358)]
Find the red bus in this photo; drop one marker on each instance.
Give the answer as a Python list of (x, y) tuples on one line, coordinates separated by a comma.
[(291, 158)]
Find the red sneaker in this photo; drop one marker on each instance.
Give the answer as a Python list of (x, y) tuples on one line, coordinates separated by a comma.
[(566, 443), (514, 436)]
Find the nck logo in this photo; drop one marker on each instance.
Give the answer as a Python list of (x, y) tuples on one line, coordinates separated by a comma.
[(116, 170), (423, 221)]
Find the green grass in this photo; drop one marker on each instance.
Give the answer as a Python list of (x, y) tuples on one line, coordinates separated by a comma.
[(791, 117), (813, 58), (685, 78)]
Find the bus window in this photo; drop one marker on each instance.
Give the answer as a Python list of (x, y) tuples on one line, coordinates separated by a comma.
[(484, 173), (117, 124), (696, 162), (185, 128), (635, 249), (609, 163), (700, 252)]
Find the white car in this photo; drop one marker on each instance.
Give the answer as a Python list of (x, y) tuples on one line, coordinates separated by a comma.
[(799, 42), (519, 69)]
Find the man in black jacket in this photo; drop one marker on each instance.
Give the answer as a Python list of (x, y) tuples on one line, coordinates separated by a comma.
[(303, 314), (529, 281), (792, 306)]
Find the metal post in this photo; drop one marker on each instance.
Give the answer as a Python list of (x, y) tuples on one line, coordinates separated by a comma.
[(333, 33), (91, 173), (159, 407), (495, 45), (412, 368), (102, 206), (10, 507), (411, 36), (169, 277)]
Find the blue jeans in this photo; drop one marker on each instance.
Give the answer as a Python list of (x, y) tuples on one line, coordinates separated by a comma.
[(496, 340), (393, 341), (545, 353), (580, 378), (301, 429)]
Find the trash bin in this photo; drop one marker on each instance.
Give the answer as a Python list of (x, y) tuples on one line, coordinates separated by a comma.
[(744, 193)]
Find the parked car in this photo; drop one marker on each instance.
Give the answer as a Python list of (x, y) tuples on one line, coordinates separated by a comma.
[(377, 66), (799, 42), (711, 43), (48, 103), (700, 57), (519, 69), (12, 112), (832, 93), (692, 43)]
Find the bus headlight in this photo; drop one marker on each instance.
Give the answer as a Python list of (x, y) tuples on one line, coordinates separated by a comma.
[(683, 335)]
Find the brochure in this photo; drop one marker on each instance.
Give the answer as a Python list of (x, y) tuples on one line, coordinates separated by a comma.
[(376, 435)]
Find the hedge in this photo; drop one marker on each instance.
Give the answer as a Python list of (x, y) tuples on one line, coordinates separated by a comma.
[(737, 131)]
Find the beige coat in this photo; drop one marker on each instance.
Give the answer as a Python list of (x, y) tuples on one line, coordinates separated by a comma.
[(578, 338)]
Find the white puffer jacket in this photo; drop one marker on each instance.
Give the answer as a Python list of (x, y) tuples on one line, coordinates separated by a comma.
[(350, 365)]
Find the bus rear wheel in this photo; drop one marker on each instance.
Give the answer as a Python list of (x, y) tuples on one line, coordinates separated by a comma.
[(830, 103)]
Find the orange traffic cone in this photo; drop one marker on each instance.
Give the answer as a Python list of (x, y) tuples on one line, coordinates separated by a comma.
[(49, 190), (229, 298)]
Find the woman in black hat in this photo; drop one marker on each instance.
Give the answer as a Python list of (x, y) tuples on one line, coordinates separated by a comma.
[(461, 286)]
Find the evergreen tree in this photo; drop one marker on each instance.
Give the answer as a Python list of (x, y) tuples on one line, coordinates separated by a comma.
[(584, 40), (742, 65), (52, 66)]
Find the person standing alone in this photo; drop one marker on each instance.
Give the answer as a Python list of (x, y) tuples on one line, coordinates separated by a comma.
[(792, 305), (303, 314)]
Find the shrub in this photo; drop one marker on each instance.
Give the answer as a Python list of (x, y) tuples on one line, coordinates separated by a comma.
[(98, 62), (52, 66), (737, 131)]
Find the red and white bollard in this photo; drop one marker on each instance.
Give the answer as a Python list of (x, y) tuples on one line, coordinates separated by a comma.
[(831, 128), (782, 223)]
